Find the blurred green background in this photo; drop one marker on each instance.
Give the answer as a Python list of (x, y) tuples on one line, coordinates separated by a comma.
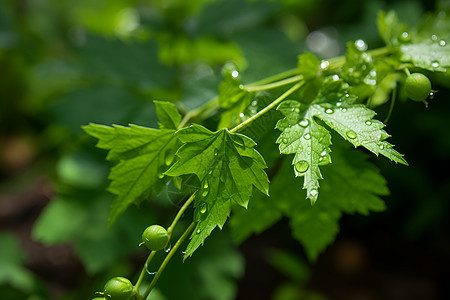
[(66, 63)]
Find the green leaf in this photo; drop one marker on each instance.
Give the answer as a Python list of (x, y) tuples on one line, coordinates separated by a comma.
[(358, 65), (227, 166), (309, 142), (303, 136), (168, 114), (232, 97), (352, 185), (432, 56), (143, 154), (390, 27), (355, 124), (308, 65)]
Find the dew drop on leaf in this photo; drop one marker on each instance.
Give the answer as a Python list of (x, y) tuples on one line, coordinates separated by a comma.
[(205, 189), (297, 110), (203, 208), (324, 152), (381, 147), (168, 247), (361, 45), (304, 123), (442, 43), (313, 192), (285, 141), (329, 111), (351, 134), (368, 122), (302, 166), (198, 231), (324, 64), (435, 64), (307, 136), (168, 157)]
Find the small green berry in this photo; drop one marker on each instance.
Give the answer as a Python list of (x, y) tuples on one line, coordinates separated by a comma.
[(418, 87), (118, 288), (155, 237)]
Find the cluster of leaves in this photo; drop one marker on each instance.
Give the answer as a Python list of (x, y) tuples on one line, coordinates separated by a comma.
[(335, 95)]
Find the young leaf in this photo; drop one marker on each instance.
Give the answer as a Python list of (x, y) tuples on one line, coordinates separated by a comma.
[(227, 166), (309, 142), (390, 27), (308, 65), (434, 56), (232, 97), (355, 124), (143, 154)]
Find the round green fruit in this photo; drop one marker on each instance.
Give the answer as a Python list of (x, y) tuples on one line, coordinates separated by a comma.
[(118, 288), (417, 86), (155, 237)]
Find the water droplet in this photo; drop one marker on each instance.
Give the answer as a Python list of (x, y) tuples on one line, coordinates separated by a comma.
[(203, 208), (431, 96), (235, 74), (285, 141), (335, 77), (205, 189), (324, 152), (297, 110), (198, 231), (404, 37), (140, 244), (435, 64), (329, 111), (361, 45), (442, 43), (241, 115), (301, 166), (351, 134), (313, 192), (434, 37), (343, 109), (148, 271), (381, 147), (304, 123), (168, 157), (167, 247), (324, 64), (339, 104), (368, 122), (307, 136)]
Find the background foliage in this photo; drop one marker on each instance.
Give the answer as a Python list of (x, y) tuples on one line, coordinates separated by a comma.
[(65, 64)]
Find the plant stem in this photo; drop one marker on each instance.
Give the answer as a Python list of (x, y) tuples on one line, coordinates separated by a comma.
[(179, 214), (144, 270), (169, 231), (276, 77), (167, 259), (269, 107), (254, 88)]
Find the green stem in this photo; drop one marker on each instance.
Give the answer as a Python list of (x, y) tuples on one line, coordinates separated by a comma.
[(167, 259), (142, 275), (179, 214), (269, 107), (275, 77), (169, 231), (254, 88)]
